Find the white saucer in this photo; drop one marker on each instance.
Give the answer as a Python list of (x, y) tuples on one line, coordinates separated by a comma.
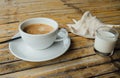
[(19, 49)]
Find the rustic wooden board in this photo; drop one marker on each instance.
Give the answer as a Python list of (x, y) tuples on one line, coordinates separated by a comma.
[(71, 66), (80, 61), (113, 75), (14, 15)]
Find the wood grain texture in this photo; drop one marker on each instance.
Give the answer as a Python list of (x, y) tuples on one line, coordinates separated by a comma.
[(80, 61), (84, 61), (112, 75), (65, 68)]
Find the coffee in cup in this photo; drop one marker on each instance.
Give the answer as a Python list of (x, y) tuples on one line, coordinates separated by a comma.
[(38, 29), (40, 33)]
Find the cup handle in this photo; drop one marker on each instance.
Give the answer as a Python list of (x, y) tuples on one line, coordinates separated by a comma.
[(62, 34)]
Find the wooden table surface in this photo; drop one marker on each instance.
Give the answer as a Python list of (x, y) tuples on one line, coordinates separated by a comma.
[(80, 61)]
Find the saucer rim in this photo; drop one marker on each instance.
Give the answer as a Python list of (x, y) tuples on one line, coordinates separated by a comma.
[(26, 59)]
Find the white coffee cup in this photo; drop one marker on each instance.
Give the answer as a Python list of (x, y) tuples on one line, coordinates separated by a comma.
[(41, 41)]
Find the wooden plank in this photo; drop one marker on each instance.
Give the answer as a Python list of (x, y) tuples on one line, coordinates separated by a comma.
[(106, 14), (71, 68), (89, 1), (116, 22), (12, 18), (8, 30), (113, 17), (96, 8), (90, 72), (72, 35), (111, 75), (26, 1), (70, 16), (12, 7), (95, 4), (32, 7), (33, 1), (69, 56), (80, 42), (49, 14)]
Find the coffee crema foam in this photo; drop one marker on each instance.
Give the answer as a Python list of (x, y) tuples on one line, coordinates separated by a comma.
[(38, 29)]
